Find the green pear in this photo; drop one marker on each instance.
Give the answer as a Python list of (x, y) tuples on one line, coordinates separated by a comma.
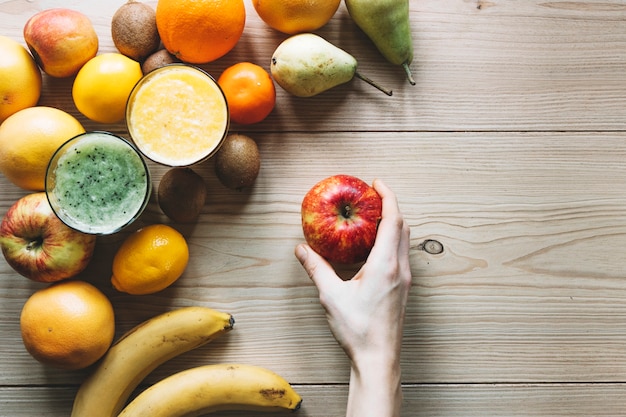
[(386, 23), (307, 64)]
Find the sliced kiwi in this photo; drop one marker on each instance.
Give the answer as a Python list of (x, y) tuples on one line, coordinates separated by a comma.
[(182, 194), (238, 161), (134, 30)]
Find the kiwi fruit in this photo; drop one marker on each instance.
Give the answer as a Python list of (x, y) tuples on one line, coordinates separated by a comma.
[(238, 161), (182, 194), (158, 59), (134, 30)]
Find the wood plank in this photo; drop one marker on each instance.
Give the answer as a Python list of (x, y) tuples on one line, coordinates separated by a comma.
[(529, 287), (57, 401), (503, 400), (497, 65), (509, 151)]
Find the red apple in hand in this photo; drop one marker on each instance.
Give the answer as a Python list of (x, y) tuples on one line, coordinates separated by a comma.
[(38, 245), (340, 216)]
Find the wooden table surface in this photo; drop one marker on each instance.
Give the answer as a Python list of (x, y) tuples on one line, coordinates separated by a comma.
[(509, 151)]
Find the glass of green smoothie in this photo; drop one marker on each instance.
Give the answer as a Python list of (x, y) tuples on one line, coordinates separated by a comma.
[(98, 183)]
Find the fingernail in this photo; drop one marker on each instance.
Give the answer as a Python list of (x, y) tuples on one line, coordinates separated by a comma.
[(301, 253)]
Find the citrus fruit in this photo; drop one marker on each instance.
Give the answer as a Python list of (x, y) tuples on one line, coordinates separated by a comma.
[(102, 86), (150, 260), (249, 91), (200, 31), (29, 138), (20, 78), (296, 16), (67, 325)]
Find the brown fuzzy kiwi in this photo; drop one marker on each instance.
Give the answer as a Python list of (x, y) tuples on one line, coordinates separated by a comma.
[(182, 194), (238, 161), (157, 60), (134, 30)]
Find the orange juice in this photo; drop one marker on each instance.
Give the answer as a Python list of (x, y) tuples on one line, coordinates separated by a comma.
[(177, 115)]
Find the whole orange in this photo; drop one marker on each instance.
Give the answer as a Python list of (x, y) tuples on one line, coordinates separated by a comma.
[(150, 260), (67, 325), (200, 31), (249, 91), (20, 78), (29, 138), (296, 16)]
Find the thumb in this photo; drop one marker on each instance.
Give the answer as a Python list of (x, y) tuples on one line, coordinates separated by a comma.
[(319, 270)]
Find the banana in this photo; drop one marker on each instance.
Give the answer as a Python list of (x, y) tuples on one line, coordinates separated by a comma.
[(127, 362), (210, 388)]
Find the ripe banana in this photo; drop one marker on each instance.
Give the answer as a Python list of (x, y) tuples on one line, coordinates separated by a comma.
[(210, 388), (105, 392)]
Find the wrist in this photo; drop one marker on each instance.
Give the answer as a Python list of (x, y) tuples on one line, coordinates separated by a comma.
[(379, 356), (376, 362), (375, 386)]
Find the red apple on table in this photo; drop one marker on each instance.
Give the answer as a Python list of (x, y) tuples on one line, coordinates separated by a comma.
[(61, 41), (38, 245), (340, 217)]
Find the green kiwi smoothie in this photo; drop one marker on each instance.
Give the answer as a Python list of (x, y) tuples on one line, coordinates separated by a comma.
[(97, 183)]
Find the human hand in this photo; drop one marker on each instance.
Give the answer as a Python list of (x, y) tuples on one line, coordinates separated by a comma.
[(366, 314)]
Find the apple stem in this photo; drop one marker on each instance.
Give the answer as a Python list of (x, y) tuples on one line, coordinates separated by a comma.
[(33, 244), (347, 211)]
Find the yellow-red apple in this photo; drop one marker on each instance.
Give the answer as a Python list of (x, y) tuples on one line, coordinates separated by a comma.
[(61, 41), (340, 216), (38, 245)]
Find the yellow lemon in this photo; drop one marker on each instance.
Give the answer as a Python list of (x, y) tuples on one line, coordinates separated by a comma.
[(29, 138), (68, 325), (20, 78), (150, 260), (102, 86)]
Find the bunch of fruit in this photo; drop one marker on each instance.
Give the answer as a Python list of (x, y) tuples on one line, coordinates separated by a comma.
[(39, 246), (194, 391)]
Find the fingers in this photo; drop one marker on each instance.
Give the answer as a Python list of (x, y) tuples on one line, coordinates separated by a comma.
[(319, 270), (390, 248), (403, 253), (390, 202), (405, 240), (390, 229)]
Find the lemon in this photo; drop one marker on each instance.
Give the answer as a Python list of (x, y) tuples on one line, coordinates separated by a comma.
[(29, 138), (150, 260), (102, 86), (20, 78)]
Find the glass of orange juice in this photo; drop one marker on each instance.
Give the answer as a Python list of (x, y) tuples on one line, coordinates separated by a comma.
[(177, 115)]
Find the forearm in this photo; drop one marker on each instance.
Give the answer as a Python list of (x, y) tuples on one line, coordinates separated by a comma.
[(375, 389)]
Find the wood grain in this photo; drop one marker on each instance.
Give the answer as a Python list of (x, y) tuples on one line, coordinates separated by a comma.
[(509, 152), (447, 400)]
